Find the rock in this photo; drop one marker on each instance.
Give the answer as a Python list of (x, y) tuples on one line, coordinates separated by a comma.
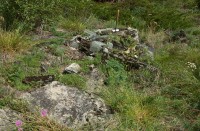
[(90, 33), (90, 58), (106, 31), (110, 45), (8, 119), (73, 68), (68, 106), (74, 42), (134, 33), (96, 46), (95, 80)]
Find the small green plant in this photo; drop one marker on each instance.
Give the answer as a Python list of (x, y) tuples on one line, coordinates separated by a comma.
[(74, 80), (116, 73)]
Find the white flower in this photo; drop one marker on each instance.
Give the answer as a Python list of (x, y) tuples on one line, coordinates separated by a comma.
[(191, 65)]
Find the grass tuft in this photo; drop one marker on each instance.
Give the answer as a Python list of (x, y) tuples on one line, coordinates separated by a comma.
[(74, 80), (13, 41)]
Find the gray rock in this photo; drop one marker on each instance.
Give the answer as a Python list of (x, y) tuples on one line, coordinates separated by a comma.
[(110, 45), (104, 31), (134, 33), (68, 106), (95, 80), (96, 46), (73, 68), (74, 42), (90, 33), (8, 119)]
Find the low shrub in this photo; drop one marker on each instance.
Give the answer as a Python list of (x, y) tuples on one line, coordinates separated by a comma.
[(13, 41)]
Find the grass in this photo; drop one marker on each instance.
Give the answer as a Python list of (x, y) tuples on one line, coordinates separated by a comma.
[(171, 103), (74, 80), (135, 110), (72, 25), (25, 65), (13, 42)]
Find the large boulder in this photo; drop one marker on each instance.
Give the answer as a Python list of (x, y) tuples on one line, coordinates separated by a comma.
[(69, 106)]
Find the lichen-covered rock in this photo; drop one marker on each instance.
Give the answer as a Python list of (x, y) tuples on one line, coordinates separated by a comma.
[(95, 80), (68, 106), (96, 46), (73, 68), (8, 119)]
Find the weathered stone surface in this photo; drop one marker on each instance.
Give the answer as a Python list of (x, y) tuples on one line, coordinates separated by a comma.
[(68, 106), (8, 119), (95, 80), (73, 68), (96, 46)]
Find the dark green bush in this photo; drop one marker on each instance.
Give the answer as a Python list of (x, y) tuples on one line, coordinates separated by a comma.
[(33, 12)]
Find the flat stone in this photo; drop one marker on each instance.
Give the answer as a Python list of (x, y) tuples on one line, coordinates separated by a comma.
[(68, 106)]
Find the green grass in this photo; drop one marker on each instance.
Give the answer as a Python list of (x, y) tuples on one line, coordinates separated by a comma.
[(25, 65), (170, 103), (135, 110), (72, 25), (13, 42), (74, 80)]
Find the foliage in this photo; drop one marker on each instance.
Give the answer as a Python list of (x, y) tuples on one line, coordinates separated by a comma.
[(27, 65), (135, 110), (13, 41), (74, 80), (33, 12), (57, 50), (72, 25), (139, 103), (180, 83)]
